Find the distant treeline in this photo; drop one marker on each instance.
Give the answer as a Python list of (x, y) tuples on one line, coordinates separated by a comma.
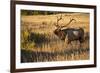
[(37, 12), (34, 12)]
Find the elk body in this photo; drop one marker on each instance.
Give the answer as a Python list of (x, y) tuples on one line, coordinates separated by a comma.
[(71, 34)]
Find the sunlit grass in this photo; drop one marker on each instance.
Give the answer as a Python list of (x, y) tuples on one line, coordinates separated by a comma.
[(40, 44)]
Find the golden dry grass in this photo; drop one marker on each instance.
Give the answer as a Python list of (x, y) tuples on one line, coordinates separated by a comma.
[(52, 48)]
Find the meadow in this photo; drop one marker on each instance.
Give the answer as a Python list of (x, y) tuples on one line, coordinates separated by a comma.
[(40, 44)]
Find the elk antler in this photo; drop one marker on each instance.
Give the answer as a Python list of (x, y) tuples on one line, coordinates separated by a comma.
[(68, 23), (58, 19)]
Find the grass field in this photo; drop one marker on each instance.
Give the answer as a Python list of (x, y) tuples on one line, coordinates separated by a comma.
[(40, 44)]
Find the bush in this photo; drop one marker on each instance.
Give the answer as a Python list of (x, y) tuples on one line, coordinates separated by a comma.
[(31, 39)]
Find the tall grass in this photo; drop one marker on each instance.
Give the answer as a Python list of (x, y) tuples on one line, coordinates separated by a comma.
[(40, 44), (37, 47)]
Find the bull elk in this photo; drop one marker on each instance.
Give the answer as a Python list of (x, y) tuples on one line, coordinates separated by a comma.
[(72, 34)]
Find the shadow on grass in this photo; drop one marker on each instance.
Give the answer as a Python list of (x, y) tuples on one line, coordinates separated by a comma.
[(33, 56), (38, 39)]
